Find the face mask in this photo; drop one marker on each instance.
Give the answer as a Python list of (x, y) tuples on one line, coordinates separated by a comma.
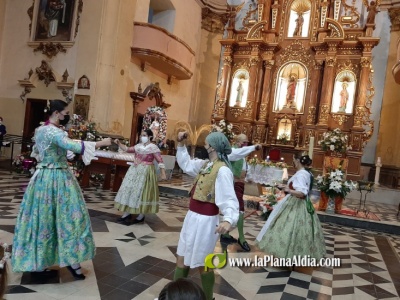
[(144, 139), (65, 120), (207, 149)]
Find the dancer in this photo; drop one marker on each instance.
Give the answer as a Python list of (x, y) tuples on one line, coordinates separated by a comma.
[(53, 225), (293, 228), (212, 192), (239, 166), (139, 193)]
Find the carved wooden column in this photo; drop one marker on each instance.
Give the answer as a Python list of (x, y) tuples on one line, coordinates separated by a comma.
[(327, 88), (220, 107), (362, 93), (136, 99), (266, 92), (253, 74), (315, 83)]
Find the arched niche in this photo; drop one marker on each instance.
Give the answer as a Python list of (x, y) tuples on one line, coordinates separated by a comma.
[(291, 87), (344, 92), (239, 88), (299, 19)]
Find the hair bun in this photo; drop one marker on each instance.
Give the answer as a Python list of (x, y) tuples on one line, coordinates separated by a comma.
[(305, 160)]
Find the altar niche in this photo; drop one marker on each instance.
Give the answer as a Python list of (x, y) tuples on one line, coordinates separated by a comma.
[(344, 92), (299, 19), (290, 90), (239, 88)]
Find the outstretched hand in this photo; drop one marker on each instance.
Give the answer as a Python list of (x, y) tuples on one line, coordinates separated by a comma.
[(182, 136), (258, 147)]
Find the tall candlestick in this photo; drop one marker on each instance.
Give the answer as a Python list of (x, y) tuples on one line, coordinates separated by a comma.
[(311, 147)]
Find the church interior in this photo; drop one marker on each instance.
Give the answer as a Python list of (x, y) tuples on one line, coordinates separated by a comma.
[(294, 76)]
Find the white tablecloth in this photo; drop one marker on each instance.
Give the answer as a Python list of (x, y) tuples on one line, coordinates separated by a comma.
[(265, 175)]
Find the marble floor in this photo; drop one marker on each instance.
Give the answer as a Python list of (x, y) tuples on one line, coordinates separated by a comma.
[(135, 262)]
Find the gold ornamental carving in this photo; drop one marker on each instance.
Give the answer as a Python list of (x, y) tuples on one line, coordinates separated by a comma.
[(336, 9), (347, 65), (243, 64), (236, 111), (248, 110), (318, 64), (250, 19), (213, 22), (275, 8), (330, 61), (367, 122), (258, 134), (340, 118), (50, 49), (296, 52), (45, 73), (30, 14), (312, 110), (324, 10), (394, 15), (359, 116), (227, 61), (263, 111), (269, 64), (351, 15), (335, 28), (324, 114), (255, 31), (254, 60), (365, 62)]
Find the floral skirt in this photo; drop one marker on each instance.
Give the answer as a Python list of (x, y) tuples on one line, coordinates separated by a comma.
[(138, 193), (293, 231), (53, 225)]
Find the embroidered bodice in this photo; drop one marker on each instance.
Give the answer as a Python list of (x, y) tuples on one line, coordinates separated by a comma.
[(146, 154), (51, 145)]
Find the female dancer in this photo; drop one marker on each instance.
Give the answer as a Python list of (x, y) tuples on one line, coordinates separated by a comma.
[(212, 192), (53, 224), (293, 228), (139, 193)]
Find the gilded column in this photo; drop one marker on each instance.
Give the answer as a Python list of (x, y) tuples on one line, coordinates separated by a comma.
[(250, 112), (327, 90), (266, 92), (220, 106), (362, 93), (315, 83)]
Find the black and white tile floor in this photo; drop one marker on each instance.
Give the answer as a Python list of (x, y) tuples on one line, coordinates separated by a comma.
[(135, 262)]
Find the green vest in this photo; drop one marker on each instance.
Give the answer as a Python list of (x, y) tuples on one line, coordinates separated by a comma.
[(205, 183), (237, 167)]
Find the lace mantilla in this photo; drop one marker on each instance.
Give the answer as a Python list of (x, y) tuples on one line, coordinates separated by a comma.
[(146, 149)]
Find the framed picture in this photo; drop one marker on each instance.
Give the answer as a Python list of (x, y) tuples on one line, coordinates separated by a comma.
[(84, 83), (81, 106), (55, 21)]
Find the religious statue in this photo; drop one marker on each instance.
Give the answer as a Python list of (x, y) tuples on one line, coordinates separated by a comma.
[(53, 13), (344, 97), (291, 91), (240, 92), (299, 25), (372, 11), (155, 126)]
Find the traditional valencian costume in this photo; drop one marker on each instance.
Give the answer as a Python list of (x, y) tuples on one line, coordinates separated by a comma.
[(53, 225), (212, 192), (293, 228), (139, 193)]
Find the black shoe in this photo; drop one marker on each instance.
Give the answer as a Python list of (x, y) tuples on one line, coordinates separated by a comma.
[(245, 246), (227, 240), (76, 275), (136, 221), (120, 220)]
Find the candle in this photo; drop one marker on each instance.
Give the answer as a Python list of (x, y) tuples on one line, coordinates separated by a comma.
[(378, 161), (311, 147)]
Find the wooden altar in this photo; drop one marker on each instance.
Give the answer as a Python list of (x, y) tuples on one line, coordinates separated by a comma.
[(294, 69)]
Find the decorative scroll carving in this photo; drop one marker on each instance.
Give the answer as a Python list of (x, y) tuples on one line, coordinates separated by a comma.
[(275, 8), (243, 64), (258, 134), (324, 114), (311, 116), (359, 116), (78, 17), (260, 12), (296, 52), (236, 111), (263, 111), (30, 14), (340, 118), (336, 29), (330, 61), (368, 123), (352, 16), (324, 10), (347, 65), (228, 60), (50, 49), (249, 20), (254, 60), (365, 62), (336, 9), (249, 109), (269, 64), (255, 31), (213, 22), (45, 73)]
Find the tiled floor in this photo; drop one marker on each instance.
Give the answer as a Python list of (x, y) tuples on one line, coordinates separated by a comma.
[(135, 262)]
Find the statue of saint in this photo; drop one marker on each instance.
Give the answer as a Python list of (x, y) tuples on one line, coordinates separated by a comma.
[(240, 92), (299, 25), (155, 126), (291, 91), (344, 97), (372, 11)]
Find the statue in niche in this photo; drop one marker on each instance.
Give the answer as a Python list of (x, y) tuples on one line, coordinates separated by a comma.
[(155, 125), (291, 91), (240, 92), (372, 11), (299, 25), (344, 97)]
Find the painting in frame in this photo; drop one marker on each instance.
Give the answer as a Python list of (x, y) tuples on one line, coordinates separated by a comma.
[(81, 106), (55, 21)]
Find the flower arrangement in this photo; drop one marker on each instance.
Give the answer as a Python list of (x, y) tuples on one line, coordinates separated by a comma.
[(23, 163), (225, 127), (149, 118), (335, 141), (255, 161), (81, 129), (333, 183), (267, 206), (283, 138)]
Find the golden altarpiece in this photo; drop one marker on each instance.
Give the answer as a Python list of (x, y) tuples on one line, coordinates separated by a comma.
[(297, 68)]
